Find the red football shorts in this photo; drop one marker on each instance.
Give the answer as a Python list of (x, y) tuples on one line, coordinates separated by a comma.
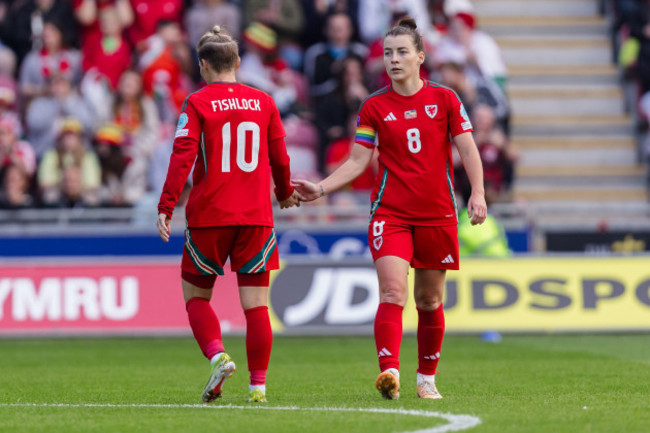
[(424, 247), (252, 250)]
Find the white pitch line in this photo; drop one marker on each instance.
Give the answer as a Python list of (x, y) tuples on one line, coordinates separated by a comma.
[(456, 422)]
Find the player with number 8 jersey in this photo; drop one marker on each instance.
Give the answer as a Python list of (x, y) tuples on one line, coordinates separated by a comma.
[(413, 217), (413, 134)]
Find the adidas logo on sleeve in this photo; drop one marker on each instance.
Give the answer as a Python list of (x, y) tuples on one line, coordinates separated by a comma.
[(448, 259)]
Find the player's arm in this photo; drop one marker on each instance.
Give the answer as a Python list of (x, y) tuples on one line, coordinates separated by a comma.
[(476, 207), (281, 172), (352, 168), (279, 160), (186, 146), (280, 169), (460, 128), (357, 162)]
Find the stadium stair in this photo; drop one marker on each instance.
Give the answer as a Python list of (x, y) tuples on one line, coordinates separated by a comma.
[(569, 120)]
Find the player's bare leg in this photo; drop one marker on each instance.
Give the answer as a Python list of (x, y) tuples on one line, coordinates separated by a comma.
[(392, 274), (428, 292)]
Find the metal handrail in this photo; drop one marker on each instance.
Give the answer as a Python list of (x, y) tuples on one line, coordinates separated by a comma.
[(534, 214)]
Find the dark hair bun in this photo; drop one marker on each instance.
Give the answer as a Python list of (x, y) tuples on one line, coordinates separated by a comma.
[(407, 22)]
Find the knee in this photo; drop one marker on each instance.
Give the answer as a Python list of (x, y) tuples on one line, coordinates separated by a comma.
[(191, 291), (393, 292), (251, 297), (248, 302), (428, 302)]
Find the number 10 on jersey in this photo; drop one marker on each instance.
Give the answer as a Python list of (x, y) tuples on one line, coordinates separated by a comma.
[(242, 129)]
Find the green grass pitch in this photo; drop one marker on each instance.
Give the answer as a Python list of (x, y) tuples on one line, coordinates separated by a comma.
[(597, 383)]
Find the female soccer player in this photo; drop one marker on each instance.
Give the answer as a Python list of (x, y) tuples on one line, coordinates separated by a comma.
[(232, 132), (413, 216)]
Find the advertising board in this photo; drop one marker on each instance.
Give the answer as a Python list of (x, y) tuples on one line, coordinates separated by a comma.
[(117, 297), (516, 294), (592, 242), (140, 296)]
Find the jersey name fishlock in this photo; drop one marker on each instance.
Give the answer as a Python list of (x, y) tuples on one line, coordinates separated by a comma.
[(236, 104)]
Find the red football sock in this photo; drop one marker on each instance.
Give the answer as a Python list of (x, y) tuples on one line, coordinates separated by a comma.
[(431, 330), (205, 326), (258, 377), (388, 334), (259, 340)]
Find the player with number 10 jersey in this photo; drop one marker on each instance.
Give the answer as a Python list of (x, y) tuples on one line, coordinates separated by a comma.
[(233, 137), (225, 126), (413, 135)]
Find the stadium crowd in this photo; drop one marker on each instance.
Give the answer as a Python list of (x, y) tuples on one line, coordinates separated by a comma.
[(90, 90), (630, 32)]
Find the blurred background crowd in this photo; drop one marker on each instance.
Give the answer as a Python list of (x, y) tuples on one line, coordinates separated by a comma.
[(90, 90), (630, 34)]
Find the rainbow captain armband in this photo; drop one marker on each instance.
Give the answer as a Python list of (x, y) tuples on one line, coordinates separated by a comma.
[(365, 136)]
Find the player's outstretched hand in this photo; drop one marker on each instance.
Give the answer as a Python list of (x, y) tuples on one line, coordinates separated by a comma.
[(293, 200), (163, 223), (477, 209), (307, 191)]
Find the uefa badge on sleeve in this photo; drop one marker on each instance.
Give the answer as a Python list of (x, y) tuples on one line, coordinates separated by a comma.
[(181, 131), (431, 110), (182, 121)]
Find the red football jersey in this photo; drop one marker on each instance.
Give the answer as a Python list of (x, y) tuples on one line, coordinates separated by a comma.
[(233, 132), (413, 135)]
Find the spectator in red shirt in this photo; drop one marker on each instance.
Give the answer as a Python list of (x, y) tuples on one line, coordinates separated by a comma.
[(107, 50), (87, 14), (147, 15), (162, 65)]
